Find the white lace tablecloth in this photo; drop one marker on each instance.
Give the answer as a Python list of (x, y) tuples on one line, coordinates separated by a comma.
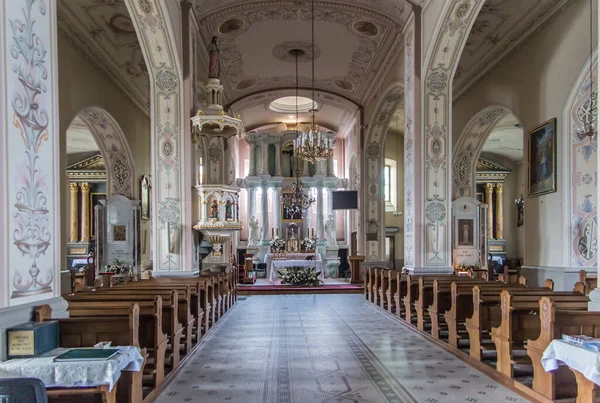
[(74, 373), (283, 264), (581, 359)]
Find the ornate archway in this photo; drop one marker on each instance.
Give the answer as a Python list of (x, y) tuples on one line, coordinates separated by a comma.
[(120, 168), (373, 220), (469, 146)]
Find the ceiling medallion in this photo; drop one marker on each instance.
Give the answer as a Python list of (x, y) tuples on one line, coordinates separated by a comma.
[(365, 28), (286, 51)]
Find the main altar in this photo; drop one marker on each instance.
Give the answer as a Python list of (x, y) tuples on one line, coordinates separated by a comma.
[(278, 261)]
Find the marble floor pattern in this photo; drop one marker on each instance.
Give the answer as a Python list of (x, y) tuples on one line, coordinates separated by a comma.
[(324, 348)]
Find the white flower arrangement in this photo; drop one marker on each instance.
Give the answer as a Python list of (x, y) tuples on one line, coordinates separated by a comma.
[(277, 243), (300, 276), (118, 268), (308, 244)]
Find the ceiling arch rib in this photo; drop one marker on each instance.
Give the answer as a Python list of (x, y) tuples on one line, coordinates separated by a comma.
[(356, 43)]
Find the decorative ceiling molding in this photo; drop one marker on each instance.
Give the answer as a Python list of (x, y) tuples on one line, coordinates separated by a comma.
[(103, 31), (94, 163), (502, 41), (370, 51)]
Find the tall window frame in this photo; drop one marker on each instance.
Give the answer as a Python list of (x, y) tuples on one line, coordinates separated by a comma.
[(390, 184)]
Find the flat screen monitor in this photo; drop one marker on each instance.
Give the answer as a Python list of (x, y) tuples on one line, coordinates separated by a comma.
[(344, 199)]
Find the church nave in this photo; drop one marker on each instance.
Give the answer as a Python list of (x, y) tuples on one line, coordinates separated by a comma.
[(324, 348)]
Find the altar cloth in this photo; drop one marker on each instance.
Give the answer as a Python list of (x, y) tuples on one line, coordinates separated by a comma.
[(284, 264), (274, 257), (580, 359), (73, 374)]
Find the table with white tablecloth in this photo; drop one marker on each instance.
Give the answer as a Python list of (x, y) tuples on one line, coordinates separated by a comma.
[(74, 374), (581, 359), (274, 257), (284, 264)]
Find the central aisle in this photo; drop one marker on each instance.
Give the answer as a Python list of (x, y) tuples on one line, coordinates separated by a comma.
[(324, 348)]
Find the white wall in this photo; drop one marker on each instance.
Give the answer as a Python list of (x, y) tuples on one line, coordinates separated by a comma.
[(535, 83)]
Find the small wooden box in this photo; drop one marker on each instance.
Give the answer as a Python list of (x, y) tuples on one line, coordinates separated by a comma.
[(31, 339)]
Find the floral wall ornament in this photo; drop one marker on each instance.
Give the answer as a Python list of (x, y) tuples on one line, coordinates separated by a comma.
[(31, 191)]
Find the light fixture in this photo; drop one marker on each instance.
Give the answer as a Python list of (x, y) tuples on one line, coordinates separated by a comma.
[(295, 200), (588, 129), (314, 145)]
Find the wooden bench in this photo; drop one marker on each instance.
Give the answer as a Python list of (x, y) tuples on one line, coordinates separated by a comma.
[(384, 281), (520, 321), (555, 322), (392, 279), (412, 293), (589, 280), (151, 334), (86, 332), (400, 293), (171, 305), (375, 284)]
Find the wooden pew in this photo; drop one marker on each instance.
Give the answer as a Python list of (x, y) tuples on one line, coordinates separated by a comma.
[(555, 322), (589, 280), (392, 278), (151, 334), (367, 284), (384, 281), (412, 293), (520, 321), (400, 293), (485, 300), (375, 285), (86, 332), (171, 305)]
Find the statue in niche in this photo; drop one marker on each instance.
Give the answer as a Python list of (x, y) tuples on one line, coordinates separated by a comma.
[(253, 232), (229, 210), (214, 67), (330, 232), (214, 210)]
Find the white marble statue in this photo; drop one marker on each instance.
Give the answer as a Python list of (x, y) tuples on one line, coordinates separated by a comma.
[(253, 232), (330, 232)]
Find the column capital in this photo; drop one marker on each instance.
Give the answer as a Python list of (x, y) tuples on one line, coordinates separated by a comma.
[(499, 187), (85, 187), (74, 186), (489, 187)]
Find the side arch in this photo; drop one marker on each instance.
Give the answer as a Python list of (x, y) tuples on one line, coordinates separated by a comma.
[(469, 145), (115, 151), (373, 218)]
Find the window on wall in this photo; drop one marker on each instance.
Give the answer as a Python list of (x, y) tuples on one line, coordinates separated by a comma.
[(390, 183)]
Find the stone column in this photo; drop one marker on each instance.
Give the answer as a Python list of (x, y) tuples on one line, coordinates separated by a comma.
[(330, 170), (265, 213), (277, 159), (85, 211), (251, 204), (252, 166), (305, 171), (277, 209), (264, 158), (320, 165), (499, 218), (320, 213), (74, 224), (489, 188)]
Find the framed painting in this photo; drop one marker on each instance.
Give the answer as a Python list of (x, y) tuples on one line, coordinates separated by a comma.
[(465, 232), (119, 233), (479, 197), (541, 159), (145, 187)]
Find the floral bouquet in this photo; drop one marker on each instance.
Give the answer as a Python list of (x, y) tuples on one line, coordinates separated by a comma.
[(277, 243), (308, 244), (117, 268), (300, 276)]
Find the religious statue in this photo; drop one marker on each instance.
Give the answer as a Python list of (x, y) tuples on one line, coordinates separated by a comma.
[(229, 210), (214, 210), (214, 67), (253, 232), (330, 232)]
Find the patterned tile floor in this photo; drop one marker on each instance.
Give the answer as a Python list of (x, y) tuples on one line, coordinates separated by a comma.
[(324, 348)]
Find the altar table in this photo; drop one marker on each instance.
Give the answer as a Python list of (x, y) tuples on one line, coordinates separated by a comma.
[(284, 264), (584, 363), (74, 374), (271, 257)]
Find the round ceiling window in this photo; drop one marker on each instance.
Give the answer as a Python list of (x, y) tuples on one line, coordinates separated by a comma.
[(288, 105)]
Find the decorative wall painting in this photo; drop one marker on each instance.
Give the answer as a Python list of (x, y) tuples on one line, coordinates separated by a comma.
[(145, 197), (542, 159)]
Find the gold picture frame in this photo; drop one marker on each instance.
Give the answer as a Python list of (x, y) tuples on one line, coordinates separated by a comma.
[(541, 159)]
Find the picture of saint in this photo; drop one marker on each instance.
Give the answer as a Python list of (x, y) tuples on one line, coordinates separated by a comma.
[(119, 233), (214, 210), (465, 232), (542, 169), (229, 210)]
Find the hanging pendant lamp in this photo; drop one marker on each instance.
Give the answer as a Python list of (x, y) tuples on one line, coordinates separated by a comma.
[(589, 129)]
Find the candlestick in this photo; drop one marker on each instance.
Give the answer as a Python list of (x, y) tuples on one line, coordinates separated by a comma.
[(271, 232)]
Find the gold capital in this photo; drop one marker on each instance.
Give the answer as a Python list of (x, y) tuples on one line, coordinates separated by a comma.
[(85, 187), (74, 187)]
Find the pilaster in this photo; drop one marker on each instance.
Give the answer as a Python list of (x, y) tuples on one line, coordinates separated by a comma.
[(85, 211), (489, 189), (74, 222), (499, 213), (277, 159), (252, 163)]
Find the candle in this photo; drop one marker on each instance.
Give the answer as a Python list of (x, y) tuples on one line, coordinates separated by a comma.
[(271, 232)]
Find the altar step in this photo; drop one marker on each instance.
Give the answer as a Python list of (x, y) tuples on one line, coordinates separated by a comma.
[(252, 289)]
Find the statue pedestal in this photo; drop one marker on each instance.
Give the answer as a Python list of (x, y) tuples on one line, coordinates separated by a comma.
[(332, 263)]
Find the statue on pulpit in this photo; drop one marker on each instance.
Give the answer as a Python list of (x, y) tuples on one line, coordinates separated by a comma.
[(214, 67), (228, 210), (253, 232), (214, 210), (330, 232)]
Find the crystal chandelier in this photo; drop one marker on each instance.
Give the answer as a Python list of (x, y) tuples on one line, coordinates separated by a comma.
[(314, 145), (588, 129), (296, 200)]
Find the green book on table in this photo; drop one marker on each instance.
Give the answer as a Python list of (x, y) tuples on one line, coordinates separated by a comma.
[(87, 354)]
